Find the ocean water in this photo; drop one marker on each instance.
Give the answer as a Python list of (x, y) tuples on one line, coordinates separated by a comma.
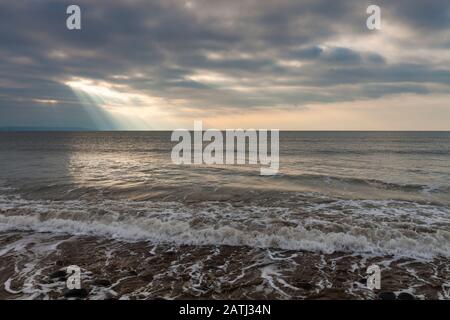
[(376, 193)]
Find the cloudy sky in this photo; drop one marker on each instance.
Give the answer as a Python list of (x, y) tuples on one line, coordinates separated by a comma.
[(287, 64)]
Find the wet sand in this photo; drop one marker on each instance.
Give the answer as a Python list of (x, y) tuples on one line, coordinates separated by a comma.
[(32, 266)]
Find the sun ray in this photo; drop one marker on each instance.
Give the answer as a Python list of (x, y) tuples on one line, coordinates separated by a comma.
[(114, 107)]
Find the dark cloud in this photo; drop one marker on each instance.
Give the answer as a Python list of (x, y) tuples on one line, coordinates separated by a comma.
[(307, 53), (427, 15), (162, 47)]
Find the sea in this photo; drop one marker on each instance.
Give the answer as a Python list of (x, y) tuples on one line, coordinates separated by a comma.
[(115, 204)]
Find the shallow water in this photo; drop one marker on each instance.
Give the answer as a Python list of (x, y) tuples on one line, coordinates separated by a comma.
[(33, 266)]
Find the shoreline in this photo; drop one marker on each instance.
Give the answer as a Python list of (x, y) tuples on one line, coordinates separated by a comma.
[(32, 266)]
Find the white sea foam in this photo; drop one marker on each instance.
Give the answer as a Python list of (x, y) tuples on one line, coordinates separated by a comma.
[(399, 228)]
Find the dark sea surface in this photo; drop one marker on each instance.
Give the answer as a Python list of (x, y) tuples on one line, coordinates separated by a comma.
[(371, 194)]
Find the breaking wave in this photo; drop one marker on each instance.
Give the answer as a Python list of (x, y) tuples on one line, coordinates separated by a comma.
[(394, 228)]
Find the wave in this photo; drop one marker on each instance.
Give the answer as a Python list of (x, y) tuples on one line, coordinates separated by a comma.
[(384, 152), (394, 228), (329, 180)]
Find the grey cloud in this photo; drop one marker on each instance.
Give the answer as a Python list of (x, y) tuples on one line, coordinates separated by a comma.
[(166, 42), (307, 53)]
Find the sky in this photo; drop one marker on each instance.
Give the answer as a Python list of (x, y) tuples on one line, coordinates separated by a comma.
[(284, 64)]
